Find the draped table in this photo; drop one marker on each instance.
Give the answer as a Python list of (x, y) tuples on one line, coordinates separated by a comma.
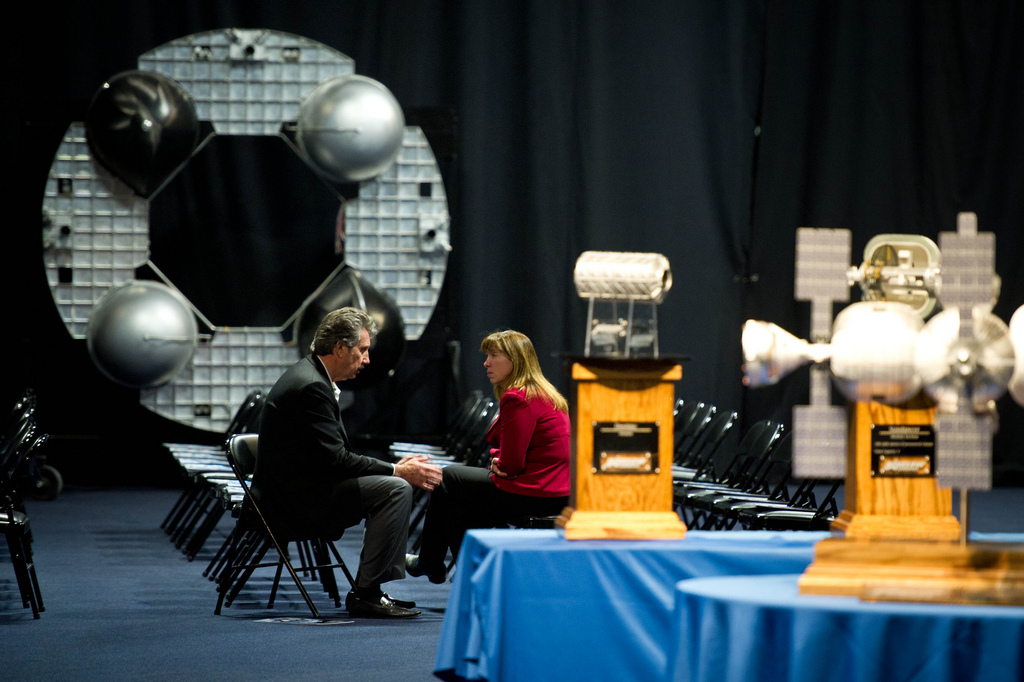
[(760, 628), (531, 605)]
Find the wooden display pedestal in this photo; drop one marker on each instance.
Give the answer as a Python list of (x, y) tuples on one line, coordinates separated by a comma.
[(891, 490), (900, 538), (916, 571), (622, 483)]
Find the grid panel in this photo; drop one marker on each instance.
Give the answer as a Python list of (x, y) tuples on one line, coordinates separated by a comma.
[(98, 231), (397, 237), (964, 451), (222, 373), (822, 257), (968, 263), (244, 93), (819, 441)]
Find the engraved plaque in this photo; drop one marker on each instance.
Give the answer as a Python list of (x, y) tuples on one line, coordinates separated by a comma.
[(903, 450), (626, 447)]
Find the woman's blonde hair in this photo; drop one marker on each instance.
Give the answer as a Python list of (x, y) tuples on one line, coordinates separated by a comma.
[(526, 373)]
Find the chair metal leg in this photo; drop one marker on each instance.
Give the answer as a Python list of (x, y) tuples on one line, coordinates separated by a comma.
[(171, 525), (341, 564), (277, 582), (24, 577), (177, 505), (198, 539)]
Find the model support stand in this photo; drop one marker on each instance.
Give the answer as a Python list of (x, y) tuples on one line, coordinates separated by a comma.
[(621, 465)]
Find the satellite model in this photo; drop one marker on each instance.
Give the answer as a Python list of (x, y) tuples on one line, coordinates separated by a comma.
[(881, 350), (895, 447)]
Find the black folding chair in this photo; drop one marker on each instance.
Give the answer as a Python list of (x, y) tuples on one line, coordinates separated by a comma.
[(19, 443), (212, 490), (789, 503), (469, 447), (688, 433), (751, 475), (253, 538), (702, 456)]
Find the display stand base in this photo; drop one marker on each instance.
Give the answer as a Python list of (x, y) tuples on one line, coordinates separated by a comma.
[(889, 527), (620, 525), (918, 571)]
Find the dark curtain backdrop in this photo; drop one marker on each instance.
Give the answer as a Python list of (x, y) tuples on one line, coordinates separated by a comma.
[(706, 131)]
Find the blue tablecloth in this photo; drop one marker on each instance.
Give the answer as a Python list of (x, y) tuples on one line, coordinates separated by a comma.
[(531, 605), (759, 628)]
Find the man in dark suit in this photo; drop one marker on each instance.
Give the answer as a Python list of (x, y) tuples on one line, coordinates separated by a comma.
[(311, 482)]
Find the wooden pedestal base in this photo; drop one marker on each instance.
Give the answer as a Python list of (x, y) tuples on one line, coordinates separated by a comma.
[(891, 527), (915, 571), (579, 524)]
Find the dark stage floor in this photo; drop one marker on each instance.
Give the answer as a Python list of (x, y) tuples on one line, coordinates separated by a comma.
[(123, 604)]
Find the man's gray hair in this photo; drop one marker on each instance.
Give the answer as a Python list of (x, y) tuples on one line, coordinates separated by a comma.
[(344, 325)]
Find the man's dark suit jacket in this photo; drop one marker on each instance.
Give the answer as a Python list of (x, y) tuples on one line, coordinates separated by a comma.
[(305, 468)]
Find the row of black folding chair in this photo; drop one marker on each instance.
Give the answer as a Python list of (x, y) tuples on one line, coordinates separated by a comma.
[(757, 490), (20, 438), (212, 489), (699, 457), (803, 507), (462, 436), (691, 419), (746, 474), (252, 539)]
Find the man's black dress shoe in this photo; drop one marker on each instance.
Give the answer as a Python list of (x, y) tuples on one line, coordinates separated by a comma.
[(405, 604), (415, 568), (383, 607)]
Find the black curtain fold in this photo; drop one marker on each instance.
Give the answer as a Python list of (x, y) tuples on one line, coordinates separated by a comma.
[(706, 131)]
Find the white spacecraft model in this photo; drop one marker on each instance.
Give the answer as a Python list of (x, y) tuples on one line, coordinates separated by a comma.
[(880, 349)]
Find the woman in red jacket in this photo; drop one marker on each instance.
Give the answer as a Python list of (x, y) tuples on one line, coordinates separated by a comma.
[(529, 467)]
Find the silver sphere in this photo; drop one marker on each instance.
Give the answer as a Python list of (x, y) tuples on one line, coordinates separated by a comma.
[(982, 363), (350, 128), (141, 334), (1016, 385), (873, 344)]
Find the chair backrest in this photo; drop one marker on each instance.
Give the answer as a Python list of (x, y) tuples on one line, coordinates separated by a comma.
[(710, 439), (10, 459), (752, 455), (689, 436), (472, 448), (776, 474), (247, 418), (467, 417), (683, 413), (242, 453), (24, 407), (16, 432)]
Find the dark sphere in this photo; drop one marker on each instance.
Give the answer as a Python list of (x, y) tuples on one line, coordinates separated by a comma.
[(349, 288), (142, 127)]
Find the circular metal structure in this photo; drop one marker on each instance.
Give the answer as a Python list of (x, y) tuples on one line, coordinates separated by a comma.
[(242, 82), (1016, 385)]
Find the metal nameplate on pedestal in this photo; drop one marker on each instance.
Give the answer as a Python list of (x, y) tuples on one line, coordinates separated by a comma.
[(903, 450), (626, 447)]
